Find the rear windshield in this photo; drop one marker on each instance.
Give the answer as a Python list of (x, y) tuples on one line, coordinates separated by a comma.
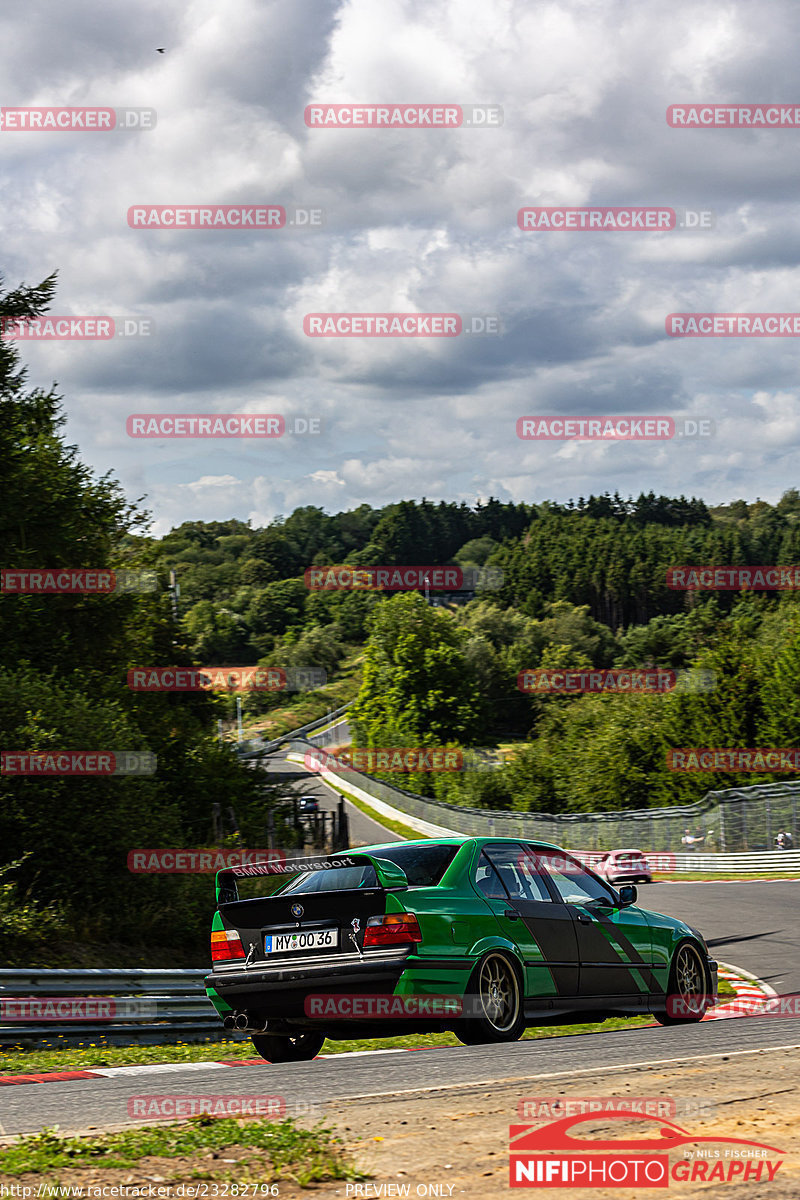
[(334, 880), (424, 865), (339, 879)]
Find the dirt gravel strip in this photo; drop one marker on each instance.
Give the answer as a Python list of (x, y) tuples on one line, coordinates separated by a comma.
[(458, 1140), (454, 1141)]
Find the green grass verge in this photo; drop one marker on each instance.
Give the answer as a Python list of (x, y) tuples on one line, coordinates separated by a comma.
[(286, 1152)]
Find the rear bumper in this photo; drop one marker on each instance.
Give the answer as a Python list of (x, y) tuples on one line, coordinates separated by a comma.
[(286, 976), (282, 990)]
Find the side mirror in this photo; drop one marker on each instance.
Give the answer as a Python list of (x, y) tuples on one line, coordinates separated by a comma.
[(627, 894)]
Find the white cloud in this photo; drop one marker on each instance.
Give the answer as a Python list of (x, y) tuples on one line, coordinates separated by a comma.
[(415, 220)]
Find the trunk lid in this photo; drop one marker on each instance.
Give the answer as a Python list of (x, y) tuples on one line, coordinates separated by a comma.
[(313, 908)]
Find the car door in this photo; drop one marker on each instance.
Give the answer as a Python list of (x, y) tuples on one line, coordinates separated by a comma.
[(614, 943), (539, 925)]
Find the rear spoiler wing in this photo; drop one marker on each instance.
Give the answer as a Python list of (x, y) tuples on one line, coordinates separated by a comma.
[(390, 876)]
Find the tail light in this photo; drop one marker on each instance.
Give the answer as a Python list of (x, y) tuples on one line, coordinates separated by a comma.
[(392, 930), (226, 944)]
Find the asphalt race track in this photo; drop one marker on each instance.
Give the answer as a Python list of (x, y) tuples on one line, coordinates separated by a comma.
[(363, 830), (751, 925), (81, 1103)]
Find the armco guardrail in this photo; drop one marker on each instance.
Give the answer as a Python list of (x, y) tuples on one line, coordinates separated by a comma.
[(780, 860), (256, 747), (735, 820), (666, 863), (140, 1005)]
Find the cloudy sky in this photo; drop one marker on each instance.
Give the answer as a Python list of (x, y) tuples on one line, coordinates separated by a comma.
[(415, 220)]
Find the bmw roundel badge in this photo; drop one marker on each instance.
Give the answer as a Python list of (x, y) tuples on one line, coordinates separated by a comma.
[(297, 910)]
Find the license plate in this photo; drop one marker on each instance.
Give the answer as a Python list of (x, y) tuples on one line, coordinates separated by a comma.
[(277, 943)]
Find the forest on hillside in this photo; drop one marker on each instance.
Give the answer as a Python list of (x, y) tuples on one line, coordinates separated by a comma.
[(583, 584)]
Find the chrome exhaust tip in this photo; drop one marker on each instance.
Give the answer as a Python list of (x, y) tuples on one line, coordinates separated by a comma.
[(242, 1021), (229, 1022)]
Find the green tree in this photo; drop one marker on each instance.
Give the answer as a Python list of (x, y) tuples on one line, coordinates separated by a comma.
[(275, 609), (417, 688)]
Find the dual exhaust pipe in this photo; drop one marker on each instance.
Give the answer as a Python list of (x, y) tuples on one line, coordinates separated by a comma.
[(240, 1021)]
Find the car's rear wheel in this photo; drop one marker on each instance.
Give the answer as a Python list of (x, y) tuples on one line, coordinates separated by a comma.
[(687, 991), (495, 992), (275, 1048)]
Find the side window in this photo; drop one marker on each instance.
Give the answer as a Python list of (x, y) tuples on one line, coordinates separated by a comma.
[(573, 883), (487, 880), (518, 869)]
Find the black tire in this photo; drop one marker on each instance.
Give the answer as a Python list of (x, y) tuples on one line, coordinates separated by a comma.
[(497, 988), (687, 988), (276, 1048)]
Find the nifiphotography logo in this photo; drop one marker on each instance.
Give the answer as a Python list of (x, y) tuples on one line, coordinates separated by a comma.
[(553, 1156)]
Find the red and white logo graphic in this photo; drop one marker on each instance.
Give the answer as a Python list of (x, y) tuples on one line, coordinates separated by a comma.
[(553, 1156)]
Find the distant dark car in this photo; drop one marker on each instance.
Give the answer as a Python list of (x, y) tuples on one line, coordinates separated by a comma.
[(308, 804), (625, 866)]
